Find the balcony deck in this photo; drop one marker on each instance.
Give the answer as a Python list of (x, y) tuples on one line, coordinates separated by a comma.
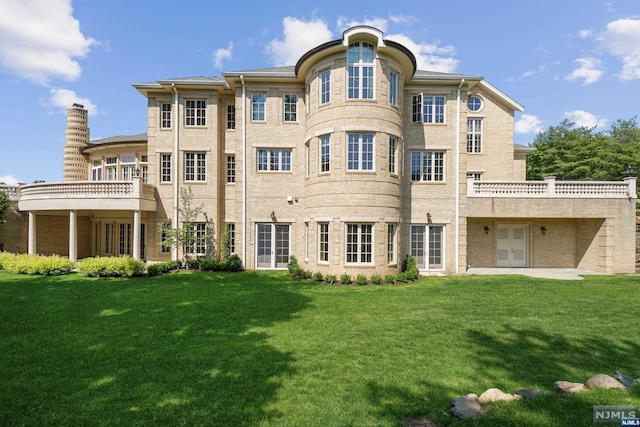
[(84, 195)]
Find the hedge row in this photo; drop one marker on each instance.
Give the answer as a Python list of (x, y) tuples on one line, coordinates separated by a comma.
[(35, 264)]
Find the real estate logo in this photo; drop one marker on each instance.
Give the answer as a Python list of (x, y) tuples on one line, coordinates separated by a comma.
[(611, 414)]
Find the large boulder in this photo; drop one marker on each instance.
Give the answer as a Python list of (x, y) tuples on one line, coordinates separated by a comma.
[(468, 406), (494, 395), (531, 393), (604, 381), (566, 387)]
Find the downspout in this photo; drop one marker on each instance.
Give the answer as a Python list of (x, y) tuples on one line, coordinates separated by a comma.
[(176, 170), (244, 173), (458, 177)]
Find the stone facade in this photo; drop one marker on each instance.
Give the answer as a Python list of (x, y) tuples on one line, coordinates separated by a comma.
[(348, 174)]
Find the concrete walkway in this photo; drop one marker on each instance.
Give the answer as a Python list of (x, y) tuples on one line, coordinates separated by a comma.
[(545, 273)]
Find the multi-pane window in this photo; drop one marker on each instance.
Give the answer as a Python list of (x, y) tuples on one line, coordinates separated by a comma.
[(427, 166), (108, 239), (474, 103), (96, 171), (359, 241), (360, 152), (164, 234), (165, 167), (258, 102), (393, 153), (325, 153), (474, 135), (195, 166), (325, 87), (231, 116), (195, 112), (274, 160), (231, 168), (307, 160), (165, 115), (290, 108), (111, 168), (360, 57), (323, 242), (427, 246), (393, 89), (124, 239), (476, 176), (144, 168), (391, 243), (198, 241), (127, 166), (231, 229), (428, 109)]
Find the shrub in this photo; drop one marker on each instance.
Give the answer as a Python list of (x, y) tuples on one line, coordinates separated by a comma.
[(306, 274), (317, 276), (330, 279), (402, 277), (345, 279), (361, 280), (412, 273), (163, 267), (110, 267), (36, 264), (390, 279), (208, 264), (234, 263), (376, 279), (153, 270), (292, 264)]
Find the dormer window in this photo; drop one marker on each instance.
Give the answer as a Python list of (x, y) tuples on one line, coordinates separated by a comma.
[(360, 70)]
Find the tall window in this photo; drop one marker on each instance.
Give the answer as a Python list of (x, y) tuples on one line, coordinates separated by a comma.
[(325, 154), (360, 70), (165, 167), (427, 246), (474, 135), (195, 112), (393, 89), (96, 170), (360, 152), (124, 239), (393, 153), (111, 168), (164, 233), (108, 239), (231, 116), (274, 160), (258, 101), (428, 109), (198, 244), (323, 242), (231, 168), (195, 166), (144, 168), (231, 228), (325, 87), (165, 115), (359, 244), (427, 166), (127, 166), (290, 108), (391, 243)]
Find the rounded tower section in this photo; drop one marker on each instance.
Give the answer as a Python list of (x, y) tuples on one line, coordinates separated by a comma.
[(353, 140), (77, 137)]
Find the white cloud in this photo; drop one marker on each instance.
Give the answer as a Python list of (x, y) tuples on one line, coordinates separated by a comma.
[(584, 34), (622, 39), (402, 19), (65, 98), (590, 70), (380, 23), (430, 57), (299, 36), (528, 124), (9, 180), (584, 119), (40, 39), (221, 54)]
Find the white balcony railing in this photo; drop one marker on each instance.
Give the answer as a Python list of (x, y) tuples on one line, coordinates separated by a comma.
[(12, 191), (86, 190), (550, 188)]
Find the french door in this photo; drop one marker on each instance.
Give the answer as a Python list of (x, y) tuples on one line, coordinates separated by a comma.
[(512, 245), (272, 245), (427, 246)]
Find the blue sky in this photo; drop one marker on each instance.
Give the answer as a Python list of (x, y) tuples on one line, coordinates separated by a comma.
[(575, 59)]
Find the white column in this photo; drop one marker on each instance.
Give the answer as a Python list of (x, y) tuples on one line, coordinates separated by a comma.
[(73, 236), (32, 233), (136, 235)]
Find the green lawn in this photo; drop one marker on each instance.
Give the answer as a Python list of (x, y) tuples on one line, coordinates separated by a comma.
[(262, 349)]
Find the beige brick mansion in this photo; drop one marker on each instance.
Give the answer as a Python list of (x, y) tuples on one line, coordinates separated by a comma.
[(350, 159)]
